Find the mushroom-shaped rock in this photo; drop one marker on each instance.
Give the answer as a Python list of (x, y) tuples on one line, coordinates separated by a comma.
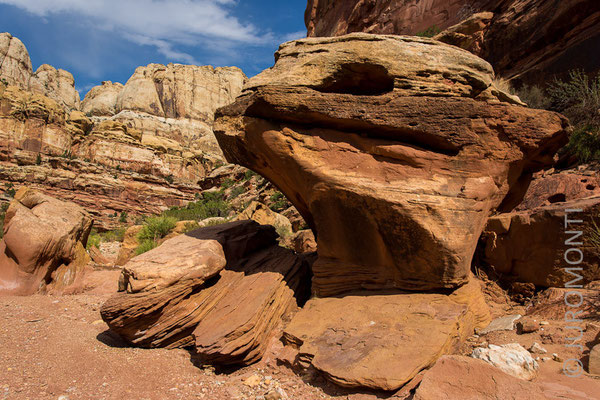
[(394, 149)]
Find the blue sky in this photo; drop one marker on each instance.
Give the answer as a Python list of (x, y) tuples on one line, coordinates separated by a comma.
[(99, 40)]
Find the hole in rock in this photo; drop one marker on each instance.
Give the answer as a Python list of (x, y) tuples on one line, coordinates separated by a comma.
[(557, 198), (590, 187), (359, 79)]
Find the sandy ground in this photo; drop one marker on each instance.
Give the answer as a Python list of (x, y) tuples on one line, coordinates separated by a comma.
[(59, 348)]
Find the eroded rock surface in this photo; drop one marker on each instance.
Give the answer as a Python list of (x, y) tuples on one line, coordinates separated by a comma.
[(382, 341), (394, 149), (43, 245)]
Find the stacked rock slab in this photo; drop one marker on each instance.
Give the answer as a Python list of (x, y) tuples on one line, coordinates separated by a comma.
[(394, 149), (223, 289), (43, 245)]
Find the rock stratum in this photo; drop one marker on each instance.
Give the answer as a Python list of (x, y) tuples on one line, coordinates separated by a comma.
[(395, 150), (137, 148), (526, 39)]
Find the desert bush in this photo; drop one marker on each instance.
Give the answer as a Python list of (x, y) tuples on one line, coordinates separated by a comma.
[(578, 98), (584, 143), (210, 205), (145, 246), (429, 32), (534, 96), (236, 191), (156, 228), (279, 202)]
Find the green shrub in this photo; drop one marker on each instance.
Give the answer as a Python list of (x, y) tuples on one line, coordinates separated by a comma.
[(227, 183), (145, 246), (210, 205), (123, 217), (535, 97), (169, 179), (578, 99), (429, 32), (190, 226), (116, 235), (584, 143), (10, 190), (249, 174), (236, 191), (279, 202), (156, 228), (94, 239), (38, 160)]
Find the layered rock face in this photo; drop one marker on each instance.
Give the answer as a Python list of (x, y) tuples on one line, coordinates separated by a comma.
[(43, 245), (394, 149), (527, 39), (172, 106), (394, 17), (139, 148), (223, 289)]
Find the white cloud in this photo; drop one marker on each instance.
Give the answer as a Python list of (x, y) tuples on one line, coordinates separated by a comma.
[(163, 24)]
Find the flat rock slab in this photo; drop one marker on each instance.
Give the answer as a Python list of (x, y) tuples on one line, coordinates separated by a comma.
[(506, 323), (383, 341)]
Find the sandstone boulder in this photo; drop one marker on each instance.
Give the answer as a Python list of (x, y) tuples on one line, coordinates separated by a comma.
[(43, 245), (529, 246), (395, 150), (594, 363), (102, 100), (57, 84), (228, 285), (302, 242), (15, 64), (262, 214), (382, 341), (477, 380)]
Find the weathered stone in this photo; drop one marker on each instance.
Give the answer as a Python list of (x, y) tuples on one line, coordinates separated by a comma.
[(56, 84), (529, 246), (468, 34), (129, 245), (506, 323), (101, 100), (302, 242), (15, 64), (394, 149), (382, 341), (477, 380), (43, 245), (510, 358), (527, 325), (594, 363), (265, 216)]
